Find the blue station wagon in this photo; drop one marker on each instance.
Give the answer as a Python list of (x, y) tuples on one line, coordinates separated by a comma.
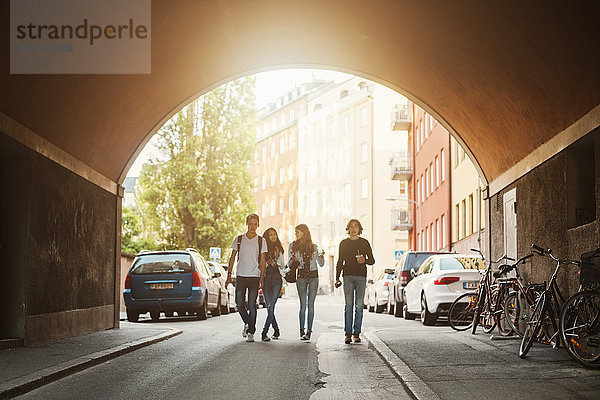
[(171, 282)]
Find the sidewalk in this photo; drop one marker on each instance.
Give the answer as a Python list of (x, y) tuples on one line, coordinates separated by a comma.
[(26, 368), (439, 363)]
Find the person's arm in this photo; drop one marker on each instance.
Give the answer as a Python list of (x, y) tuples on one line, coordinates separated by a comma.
[(262, 267), (320, 259), (370, 260), (291, 256), (340, 264), (230, 267)]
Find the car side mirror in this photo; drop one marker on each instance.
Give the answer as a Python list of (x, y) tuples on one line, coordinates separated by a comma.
[(413, 273), (217, 275), (370, 281)]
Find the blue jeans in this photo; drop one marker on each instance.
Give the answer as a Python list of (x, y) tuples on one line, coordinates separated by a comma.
[(354, 296), (271, 290), (247, 311), (307, 292)]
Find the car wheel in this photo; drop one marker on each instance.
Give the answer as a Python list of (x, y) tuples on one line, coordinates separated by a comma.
[(168, 313), (217, 311), (389, 308), (225, 308), (427, 318), (132, 316), (202, 311), (378, 308), (155, 315), (399, 308), (405, 313)]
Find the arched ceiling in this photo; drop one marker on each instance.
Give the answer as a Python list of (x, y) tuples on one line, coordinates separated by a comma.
[(505, 76)]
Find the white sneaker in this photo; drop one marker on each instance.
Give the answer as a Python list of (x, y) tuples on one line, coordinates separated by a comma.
[(250, 337), (245, 331)]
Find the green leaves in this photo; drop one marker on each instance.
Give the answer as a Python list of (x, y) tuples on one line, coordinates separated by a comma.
[(198, 192)]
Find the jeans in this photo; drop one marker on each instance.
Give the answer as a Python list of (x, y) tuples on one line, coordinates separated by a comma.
[(354, 296), (247, 311), (307, 291), (271, 290)]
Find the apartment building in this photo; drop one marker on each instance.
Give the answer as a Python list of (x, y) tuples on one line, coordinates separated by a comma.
[(345, 142)]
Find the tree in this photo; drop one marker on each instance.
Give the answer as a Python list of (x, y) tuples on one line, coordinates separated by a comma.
[(132, 240), (199, 191)]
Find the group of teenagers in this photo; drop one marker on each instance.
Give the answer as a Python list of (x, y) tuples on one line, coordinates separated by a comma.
[(262, 264)]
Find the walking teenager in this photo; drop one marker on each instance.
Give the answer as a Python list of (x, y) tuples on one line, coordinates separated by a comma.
[(251, 250), (272, 285), (355, 255), (309, 258)]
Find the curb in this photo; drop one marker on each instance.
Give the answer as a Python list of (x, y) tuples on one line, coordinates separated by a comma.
[(413, 383), (21, 385)]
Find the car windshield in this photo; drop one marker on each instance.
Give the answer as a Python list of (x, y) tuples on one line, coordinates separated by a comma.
[(454, 263), (414, 260), (162, 264)]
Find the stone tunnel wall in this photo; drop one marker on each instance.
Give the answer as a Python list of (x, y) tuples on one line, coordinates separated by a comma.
[(541, 197)]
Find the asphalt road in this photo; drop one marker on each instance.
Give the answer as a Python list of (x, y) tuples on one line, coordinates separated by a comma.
[(212, 360)]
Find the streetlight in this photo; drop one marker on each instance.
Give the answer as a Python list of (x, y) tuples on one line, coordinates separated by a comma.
[(418, 209)]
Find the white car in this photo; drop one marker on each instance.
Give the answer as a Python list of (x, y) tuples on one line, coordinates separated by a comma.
[(438, 282), (379, 291)]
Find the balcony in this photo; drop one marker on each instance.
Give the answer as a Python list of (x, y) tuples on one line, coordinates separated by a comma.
[(401, 118), (401, 167), (402, 219)]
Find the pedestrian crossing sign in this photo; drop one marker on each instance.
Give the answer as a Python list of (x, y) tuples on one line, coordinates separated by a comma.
[(215, 253), (398, 254)]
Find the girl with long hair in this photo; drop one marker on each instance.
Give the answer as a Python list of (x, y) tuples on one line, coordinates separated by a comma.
[(309, 258), (272, 284)]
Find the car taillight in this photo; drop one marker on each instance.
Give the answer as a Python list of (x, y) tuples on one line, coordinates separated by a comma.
[(446, 280), (403, 277), (196, 282), (128, 282)]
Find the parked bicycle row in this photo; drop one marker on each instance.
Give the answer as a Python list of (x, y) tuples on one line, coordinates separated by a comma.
[(470, 293)]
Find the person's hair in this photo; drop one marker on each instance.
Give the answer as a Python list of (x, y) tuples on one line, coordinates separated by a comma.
[(270, 245), (252, 216), (304, 245), (357, 222)]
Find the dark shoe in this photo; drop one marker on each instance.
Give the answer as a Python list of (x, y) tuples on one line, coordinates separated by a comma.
[(356, 338), (301, 333), (276, 334), (306, 335), (264, 337), (348, 339)]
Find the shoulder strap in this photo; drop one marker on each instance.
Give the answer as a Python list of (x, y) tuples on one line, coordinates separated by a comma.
[(239, 243), (259, 248)]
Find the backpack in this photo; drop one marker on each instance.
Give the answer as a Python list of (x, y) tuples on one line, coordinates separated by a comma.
[(239, 243)]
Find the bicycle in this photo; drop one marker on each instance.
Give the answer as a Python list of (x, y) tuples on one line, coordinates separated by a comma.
[(580, 317), (546, 308)]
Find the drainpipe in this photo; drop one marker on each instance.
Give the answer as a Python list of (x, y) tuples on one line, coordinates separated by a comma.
[(450, 192)]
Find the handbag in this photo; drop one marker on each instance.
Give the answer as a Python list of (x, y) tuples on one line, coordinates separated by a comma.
[(290, 277)]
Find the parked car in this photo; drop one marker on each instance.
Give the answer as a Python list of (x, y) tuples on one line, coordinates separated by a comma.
[(171, 281), (379, 290), (408, 260), (231, 290), (438, 282), (216, 267)]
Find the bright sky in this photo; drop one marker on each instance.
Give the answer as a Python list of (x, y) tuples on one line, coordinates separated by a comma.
[(269, 86)]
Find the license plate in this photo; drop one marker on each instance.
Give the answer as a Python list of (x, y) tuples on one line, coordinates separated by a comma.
[(161, 286), (470, 285)]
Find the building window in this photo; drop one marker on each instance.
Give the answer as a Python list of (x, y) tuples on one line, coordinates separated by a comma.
[(431, 180), (463, 215), (427, 239), (347, 194), (331, 230), (273, 149), (319, 201), (443, 244), (470, 215), (281, 175), (290, 172), (332, 132), (291, 233), (418, 191), (291, 202), (272, 178), (437, 171), (364, 188), (425, 133), (263, 210), (282, 145), (255, 185), (418, 137), (345, 124), (272, 207), (437, 235), (258, 131), (266, 128), (363, 116), (264, 181), (274, 123), (264, 153), (290, 141), (457, 220), (364, 152), (426, 183), (283, 119), (292, 115), (281, 205), (443, 162), (581, 181)]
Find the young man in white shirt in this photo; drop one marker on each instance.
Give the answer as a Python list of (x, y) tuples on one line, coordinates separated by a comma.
[(250, 273)]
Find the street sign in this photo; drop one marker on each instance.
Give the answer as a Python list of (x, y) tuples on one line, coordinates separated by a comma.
[(398, 254), (215, 253)]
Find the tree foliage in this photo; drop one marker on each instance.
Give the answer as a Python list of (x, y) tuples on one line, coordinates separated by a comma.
[(198, 192)]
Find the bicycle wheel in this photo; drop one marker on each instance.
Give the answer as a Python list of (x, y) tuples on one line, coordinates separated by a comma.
[(488, 317), (460, 314), (579, 327), (481, 295), (534, 324), (500, 317), (513, 313)]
